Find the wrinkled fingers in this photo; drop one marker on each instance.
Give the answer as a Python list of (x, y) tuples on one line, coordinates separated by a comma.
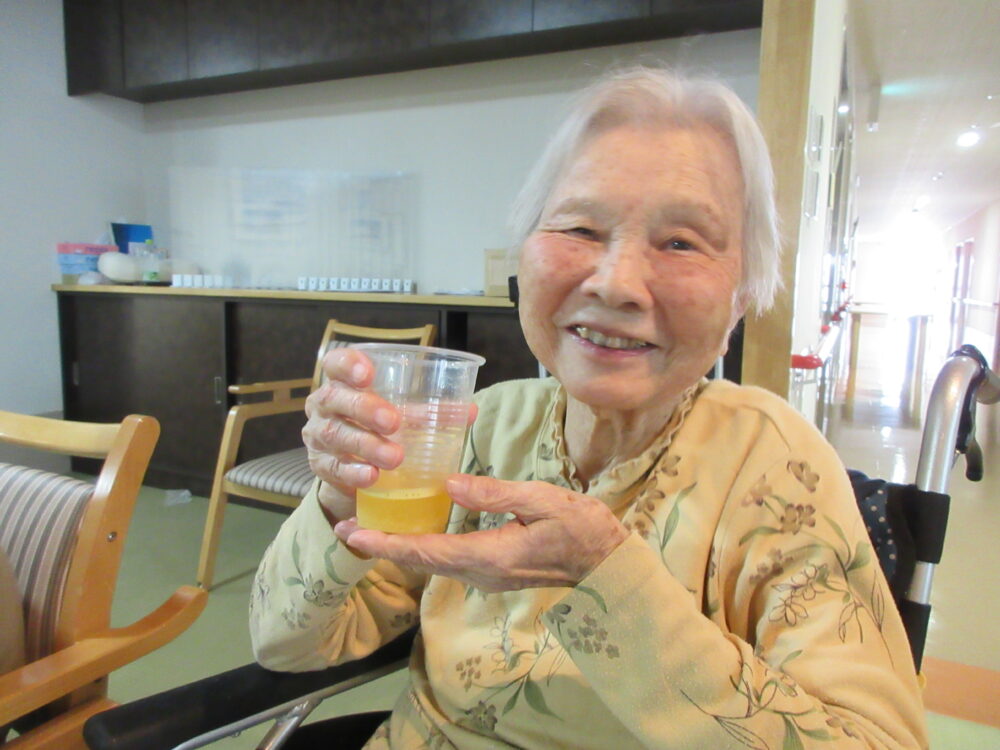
[(336, 400), (346, 473), (339, 437)]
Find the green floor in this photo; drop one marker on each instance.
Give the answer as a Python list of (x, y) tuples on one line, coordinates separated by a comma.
[(162, 552)]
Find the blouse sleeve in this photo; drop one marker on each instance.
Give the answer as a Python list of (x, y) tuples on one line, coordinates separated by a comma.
[(315, 603), (795, 642)]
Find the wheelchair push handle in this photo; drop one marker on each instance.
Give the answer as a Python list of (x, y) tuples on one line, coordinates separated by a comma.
[(965, 380), (983, 388)]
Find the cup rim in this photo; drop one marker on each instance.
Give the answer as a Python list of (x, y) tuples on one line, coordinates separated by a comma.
[(452, 354)]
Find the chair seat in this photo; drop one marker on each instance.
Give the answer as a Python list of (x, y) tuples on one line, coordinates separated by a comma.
[(286, 473)]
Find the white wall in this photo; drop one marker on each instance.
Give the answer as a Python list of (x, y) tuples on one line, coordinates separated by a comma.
[(67, 166), (465, 134), (824, 89)]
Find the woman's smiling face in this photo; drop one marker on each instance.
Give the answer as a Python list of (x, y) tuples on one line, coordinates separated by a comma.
[(628, 285)]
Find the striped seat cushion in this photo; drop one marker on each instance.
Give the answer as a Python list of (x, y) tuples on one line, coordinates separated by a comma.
[(40, 516), (286, 473)]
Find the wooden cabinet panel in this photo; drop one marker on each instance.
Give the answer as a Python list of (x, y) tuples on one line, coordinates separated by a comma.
[(464, 20), (93, 30), (222, 36), (557, 14), (319, 32), (155, 356), (497, 336), (373, 28), (296, 33), (154, 41)]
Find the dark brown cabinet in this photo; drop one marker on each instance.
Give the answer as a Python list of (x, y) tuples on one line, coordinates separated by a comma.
[(467, 20), (171, 355), (152, 50), (154, 42), (222, 37), (556, 14), (129, 355), (316, 32)]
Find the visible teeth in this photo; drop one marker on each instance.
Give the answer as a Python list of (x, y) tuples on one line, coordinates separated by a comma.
[(611, 342)]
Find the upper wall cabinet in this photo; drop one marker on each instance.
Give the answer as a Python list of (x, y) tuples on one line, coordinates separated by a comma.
[(153, 50), (222, 37), (556, 14), (155, 42)]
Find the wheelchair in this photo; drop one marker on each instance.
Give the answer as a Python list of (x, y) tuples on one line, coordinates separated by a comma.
[(906, 524)]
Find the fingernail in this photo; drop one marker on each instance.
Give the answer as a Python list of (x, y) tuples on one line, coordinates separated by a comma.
[(457, 485), (358, 373), (361, 472), (387, 455), (385, 419)]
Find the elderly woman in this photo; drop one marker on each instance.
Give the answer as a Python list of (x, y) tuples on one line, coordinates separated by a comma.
[(637, 557)]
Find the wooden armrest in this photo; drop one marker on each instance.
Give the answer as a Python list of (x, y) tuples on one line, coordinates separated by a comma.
[(270, 386), (243, 412), (89, 659)]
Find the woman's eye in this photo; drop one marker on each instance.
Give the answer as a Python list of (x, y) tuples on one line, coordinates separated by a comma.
[(676, 244)]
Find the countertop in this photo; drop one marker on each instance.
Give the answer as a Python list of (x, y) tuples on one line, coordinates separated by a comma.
[(290, 294)]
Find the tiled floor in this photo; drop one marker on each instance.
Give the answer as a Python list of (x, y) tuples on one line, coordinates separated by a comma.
[(162, 550)]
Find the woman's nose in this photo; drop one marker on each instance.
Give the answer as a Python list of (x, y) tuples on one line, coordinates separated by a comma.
[(620, 277)]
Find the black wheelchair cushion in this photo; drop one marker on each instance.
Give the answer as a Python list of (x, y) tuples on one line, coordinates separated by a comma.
[(882, 510)]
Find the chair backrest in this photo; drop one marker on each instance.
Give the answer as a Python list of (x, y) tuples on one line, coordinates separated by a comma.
[(344, 334), (65, 536), (40, 517)]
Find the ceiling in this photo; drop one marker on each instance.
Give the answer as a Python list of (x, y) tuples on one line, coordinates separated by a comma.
[(925, 70)]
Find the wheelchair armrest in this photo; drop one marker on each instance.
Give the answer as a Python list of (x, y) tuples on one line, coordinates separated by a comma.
[(170, 718)]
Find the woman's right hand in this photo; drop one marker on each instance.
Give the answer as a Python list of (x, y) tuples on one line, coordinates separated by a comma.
[(345, 435)]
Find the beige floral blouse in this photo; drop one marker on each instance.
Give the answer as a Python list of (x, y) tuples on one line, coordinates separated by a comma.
[(745, 610)]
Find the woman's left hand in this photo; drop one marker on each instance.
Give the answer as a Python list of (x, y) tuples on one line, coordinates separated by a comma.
[(556, 539)]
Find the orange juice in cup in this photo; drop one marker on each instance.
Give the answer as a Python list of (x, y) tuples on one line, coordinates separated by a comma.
[(433, 390)]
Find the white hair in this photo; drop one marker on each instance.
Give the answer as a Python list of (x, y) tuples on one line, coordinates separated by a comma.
[(660, 97)]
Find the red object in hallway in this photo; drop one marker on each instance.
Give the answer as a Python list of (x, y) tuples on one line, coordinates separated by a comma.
[(806, 362)]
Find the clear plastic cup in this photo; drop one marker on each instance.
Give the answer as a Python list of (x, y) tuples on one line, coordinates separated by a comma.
[(433, 390)]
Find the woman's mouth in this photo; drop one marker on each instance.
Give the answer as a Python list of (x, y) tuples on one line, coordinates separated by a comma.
[(609, 342)]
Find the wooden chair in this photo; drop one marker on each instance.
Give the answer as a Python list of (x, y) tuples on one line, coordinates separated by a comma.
[(281, 478), (64, 538)]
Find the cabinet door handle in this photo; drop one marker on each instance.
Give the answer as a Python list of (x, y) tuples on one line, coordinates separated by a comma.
[(218, 389)]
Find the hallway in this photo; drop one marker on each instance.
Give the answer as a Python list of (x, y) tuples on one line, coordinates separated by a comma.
[(877, 438)]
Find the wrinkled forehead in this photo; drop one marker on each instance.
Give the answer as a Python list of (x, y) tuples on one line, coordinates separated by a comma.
[(721, 150)]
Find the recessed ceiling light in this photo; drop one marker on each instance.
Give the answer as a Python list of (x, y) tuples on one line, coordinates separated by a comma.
[(968, 139)]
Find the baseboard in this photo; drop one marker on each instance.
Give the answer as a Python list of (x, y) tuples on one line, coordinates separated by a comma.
[(962, 691)]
